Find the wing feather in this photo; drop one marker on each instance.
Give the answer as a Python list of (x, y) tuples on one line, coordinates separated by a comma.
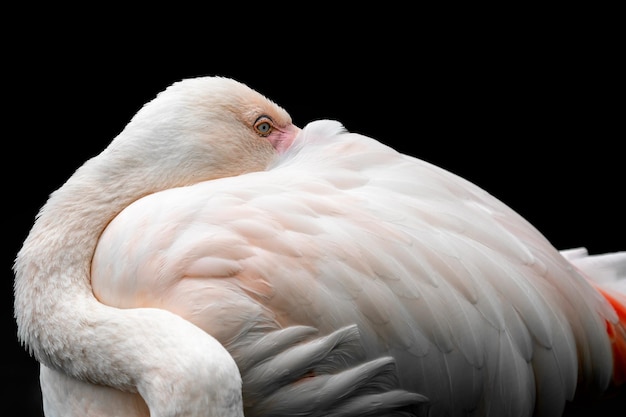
[(473, 303)]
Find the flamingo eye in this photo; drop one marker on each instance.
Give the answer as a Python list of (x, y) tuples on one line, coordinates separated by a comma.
[(263, 126)]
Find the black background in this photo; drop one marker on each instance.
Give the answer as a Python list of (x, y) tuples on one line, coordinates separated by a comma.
[(531, 111)]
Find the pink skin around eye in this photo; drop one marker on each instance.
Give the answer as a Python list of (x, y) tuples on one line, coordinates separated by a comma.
[(282, 138)]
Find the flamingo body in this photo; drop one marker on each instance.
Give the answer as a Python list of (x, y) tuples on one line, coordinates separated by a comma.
[(217, 260), (480, 311)]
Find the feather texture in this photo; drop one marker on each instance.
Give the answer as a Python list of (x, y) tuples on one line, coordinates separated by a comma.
[(216, 259), (432, 269)]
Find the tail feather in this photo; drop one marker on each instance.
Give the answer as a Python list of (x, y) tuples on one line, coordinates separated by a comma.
[(607, 273), (607, 270)]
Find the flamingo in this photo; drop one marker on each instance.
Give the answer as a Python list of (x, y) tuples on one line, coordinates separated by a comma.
[(217, 260)]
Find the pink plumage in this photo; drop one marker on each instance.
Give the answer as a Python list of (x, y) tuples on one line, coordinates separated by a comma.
[(334, 260)]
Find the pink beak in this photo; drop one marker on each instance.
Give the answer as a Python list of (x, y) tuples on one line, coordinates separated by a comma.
[(282, 138)]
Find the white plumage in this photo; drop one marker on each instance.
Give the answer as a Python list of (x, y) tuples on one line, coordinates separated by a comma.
[(341, 277)]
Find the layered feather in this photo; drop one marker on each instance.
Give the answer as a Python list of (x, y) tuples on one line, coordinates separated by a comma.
[(478, 310)]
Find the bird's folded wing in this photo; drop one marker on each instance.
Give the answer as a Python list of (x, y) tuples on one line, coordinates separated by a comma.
[(468, 297)]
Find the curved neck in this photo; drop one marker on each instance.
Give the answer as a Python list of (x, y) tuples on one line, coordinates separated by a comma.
[(65, 327), (52, 270)]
